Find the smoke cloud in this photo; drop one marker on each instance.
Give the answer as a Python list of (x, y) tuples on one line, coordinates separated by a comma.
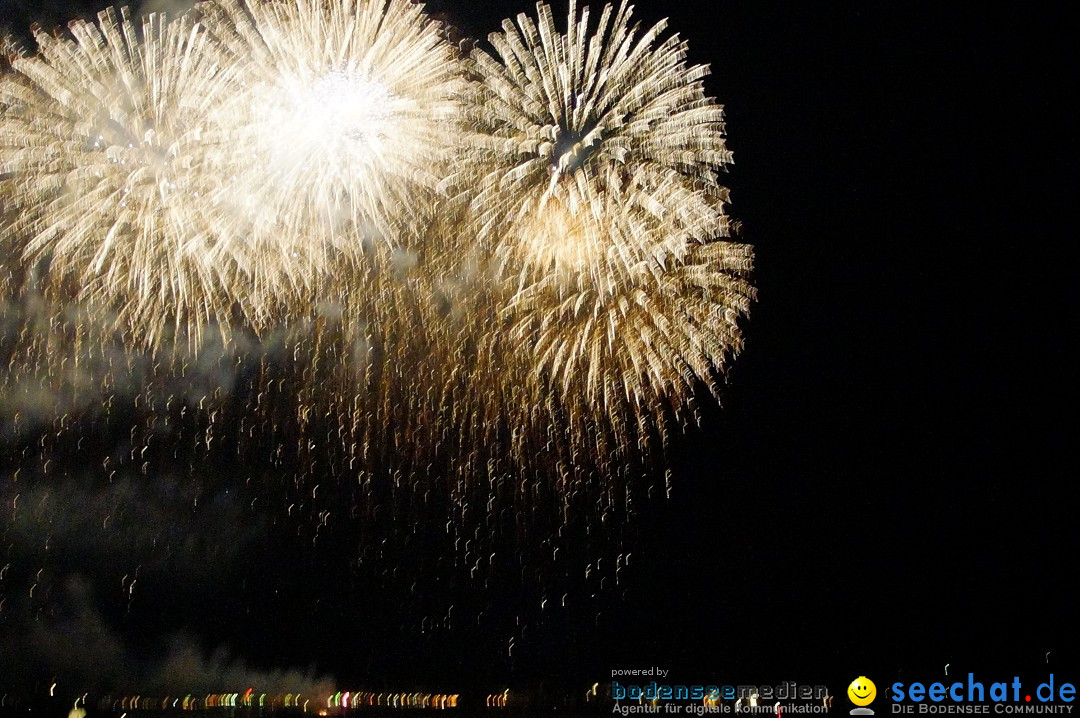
[(74, 647)]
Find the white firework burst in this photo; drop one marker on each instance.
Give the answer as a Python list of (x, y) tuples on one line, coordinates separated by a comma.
[(343, 116), (607, 126), (104, 155)]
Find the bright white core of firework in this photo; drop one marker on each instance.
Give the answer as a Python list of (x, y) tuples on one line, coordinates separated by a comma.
[(342, 116), (349, 106), (326, 136)]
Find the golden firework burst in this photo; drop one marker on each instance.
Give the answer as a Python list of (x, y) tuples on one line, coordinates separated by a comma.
[(595, 154)]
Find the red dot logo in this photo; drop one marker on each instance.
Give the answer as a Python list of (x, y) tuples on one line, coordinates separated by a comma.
[(1027, 698)]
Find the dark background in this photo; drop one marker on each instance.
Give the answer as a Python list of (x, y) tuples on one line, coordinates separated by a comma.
[(888, 487)]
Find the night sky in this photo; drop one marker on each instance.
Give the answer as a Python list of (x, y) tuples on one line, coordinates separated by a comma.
[(887, 488)]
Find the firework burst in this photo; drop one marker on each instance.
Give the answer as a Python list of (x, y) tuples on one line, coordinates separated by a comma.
[(340, 125), (609, 127), (598, 152), (104, 155)]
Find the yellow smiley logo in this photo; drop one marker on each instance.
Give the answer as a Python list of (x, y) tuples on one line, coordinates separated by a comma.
[(862, 691)]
